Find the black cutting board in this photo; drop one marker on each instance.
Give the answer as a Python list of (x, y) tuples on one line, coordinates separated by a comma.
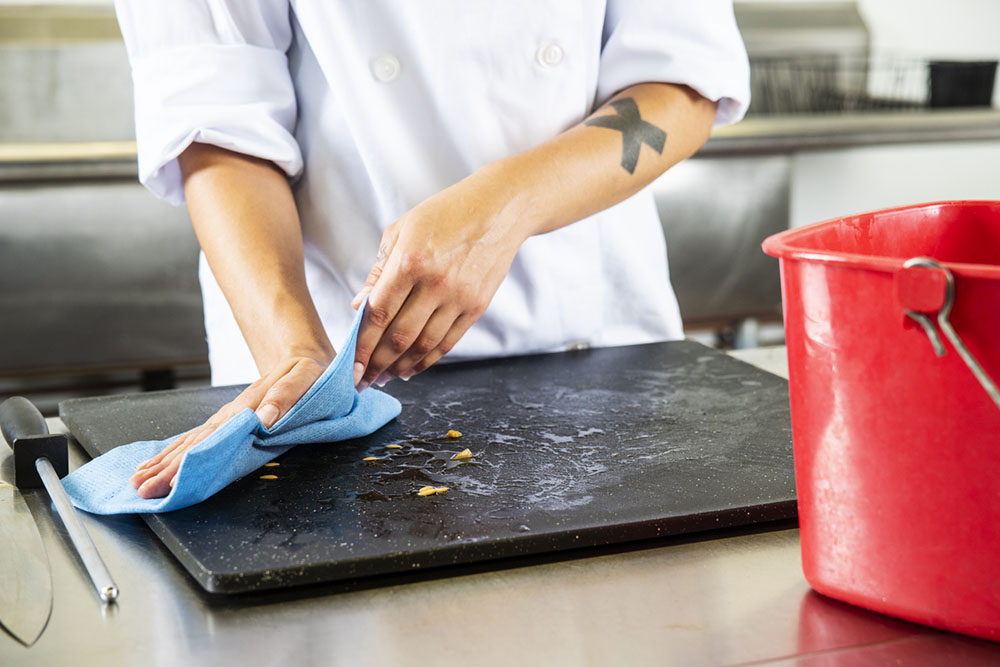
[(575, 449)]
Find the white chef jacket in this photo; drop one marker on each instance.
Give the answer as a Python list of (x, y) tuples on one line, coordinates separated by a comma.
[(375, 105)]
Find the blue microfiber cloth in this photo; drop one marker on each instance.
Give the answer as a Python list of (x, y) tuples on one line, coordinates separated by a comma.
[(331, 410)]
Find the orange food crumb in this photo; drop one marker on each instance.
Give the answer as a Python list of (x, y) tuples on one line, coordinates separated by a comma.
[(454, 434), (269, 477), (462, 455)]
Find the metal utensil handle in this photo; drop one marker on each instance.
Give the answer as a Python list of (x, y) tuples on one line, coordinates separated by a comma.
[(949, 331), (78, 534)]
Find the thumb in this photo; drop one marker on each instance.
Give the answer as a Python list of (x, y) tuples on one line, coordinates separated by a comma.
[(268, 414), (384, 249), (370, 281), (286, 391)]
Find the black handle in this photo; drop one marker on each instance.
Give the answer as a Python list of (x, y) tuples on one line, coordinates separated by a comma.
[(20, 418)]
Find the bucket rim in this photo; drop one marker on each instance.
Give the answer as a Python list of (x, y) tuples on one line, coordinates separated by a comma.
[(783, 244)]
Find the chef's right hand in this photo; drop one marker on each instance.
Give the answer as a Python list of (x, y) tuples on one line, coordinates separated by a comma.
[(271, 397)]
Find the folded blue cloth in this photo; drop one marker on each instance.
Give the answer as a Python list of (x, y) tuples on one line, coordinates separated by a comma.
[(331, 410)]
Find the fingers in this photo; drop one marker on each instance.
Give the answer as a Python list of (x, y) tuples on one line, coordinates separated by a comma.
[(181, 442), (384, 305), (286, 392), (177, 442), (175, 451), (248, 398), (400, 336), (271, 397), (442, 263), (449, 341), (373, 276), (434, 332), (394, 340), (159, 484), (384, 248)]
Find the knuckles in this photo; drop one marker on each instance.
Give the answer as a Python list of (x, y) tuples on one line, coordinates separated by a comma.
[(362, 353), (400, 341), (424, 345), (414, 265), (377, 316), (470, 298), (442, 283), (477, 305), (373, 275), (280, 396)]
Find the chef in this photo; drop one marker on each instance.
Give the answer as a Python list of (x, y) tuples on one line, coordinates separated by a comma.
[(475, 169)]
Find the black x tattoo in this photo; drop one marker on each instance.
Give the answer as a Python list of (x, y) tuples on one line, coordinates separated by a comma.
[(635, 131)]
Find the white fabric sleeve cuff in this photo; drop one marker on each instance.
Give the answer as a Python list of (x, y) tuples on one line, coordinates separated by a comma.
[(235, 96), (690, 43)]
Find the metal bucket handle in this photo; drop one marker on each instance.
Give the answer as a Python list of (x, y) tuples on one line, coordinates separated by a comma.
[(942, 319)]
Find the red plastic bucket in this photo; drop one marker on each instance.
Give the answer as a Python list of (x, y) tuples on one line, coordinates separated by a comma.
[(897, 449)]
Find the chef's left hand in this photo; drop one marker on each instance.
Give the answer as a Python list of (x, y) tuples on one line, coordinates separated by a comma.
[(440, 264), (437, 269)]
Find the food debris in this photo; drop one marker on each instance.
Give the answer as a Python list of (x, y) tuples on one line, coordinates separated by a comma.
[(427, 491), (271, 464), (269, 477), (371, 458), (441, 489), (393, 446), (462, 455), (453, 434)]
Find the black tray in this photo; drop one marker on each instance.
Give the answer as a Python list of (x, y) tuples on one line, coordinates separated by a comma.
[(577, 449)]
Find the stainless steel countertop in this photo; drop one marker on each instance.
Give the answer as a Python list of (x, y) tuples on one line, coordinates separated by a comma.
[(736, 597)]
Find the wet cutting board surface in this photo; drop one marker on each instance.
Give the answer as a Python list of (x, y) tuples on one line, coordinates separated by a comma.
[(570, 450)]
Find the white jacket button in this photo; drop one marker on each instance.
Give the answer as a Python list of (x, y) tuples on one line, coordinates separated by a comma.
[(386, 68), (550, 54)]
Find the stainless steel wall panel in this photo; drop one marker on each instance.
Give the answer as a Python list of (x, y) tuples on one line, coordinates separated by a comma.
[(715, 214), (94, 276)]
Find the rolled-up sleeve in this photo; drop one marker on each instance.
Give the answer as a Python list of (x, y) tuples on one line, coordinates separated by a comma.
[(211, 71), (690, 42)]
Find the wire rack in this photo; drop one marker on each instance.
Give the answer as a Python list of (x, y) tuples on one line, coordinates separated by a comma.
[(836, 84)]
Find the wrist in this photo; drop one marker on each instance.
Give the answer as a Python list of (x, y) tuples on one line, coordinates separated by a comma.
[(516, 199), (285, 356), (322, 356), (295, 335)]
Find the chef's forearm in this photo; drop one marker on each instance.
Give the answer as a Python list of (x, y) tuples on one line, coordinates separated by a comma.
[(245, 218), (622, 147)]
